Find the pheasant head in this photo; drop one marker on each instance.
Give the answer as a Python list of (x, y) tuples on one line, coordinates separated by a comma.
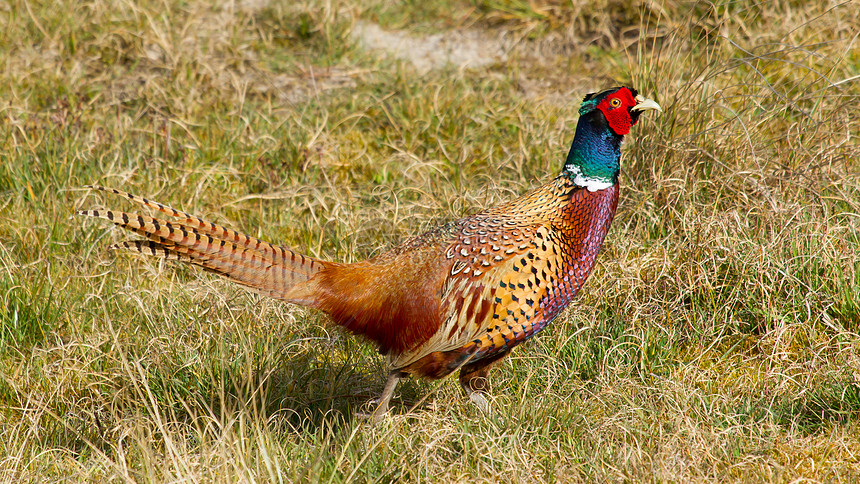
[(604, 118)]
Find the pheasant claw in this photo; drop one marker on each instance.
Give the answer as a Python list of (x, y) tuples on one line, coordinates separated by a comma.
[(481, 402)]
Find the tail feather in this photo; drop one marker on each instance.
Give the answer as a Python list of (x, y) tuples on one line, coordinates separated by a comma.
[(181, 254), (266, 268)]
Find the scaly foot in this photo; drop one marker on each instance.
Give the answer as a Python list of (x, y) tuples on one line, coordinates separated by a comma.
[(481, 402)]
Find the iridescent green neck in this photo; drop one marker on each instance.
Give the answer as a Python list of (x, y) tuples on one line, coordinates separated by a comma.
[(594, 159)]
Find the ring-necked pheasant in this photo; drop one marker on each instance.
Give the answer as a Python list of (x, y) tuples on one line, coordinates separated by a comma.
[(460, 296)]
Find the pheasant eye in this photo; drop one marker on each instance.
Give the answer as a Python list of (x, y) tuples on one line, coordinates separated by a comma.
[(615, 102)]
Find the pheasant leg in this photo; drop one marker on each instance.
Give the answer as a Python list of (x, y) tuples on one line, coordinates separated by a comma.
[(387, 393), (473, 379)]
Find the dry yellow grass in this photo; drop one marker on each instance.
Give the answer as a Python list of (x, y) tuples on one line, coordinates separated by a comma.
[(717, 341)]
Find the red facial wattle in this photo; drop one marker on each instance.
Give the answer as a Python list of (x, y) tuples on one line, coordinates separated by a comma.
[(618, 116)]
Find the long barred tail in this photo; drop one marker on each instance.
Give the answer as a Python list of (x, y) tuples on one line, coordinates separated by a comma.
[(266, 268)]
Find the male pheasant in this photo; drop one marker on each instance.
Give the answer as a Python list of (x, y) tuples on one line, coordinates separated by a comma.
[(460, 296)]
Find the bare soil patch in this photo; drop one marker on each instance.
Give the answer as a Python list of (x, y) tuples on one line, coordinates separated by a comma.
[(461, 48)]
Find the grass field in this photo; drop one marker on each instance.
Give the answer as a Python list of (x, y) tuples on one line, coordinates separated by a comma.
[(718, 340)]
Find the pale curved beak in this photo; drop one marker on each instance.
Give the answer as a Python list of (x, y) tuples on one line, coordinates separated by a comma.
[(644, 104)]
